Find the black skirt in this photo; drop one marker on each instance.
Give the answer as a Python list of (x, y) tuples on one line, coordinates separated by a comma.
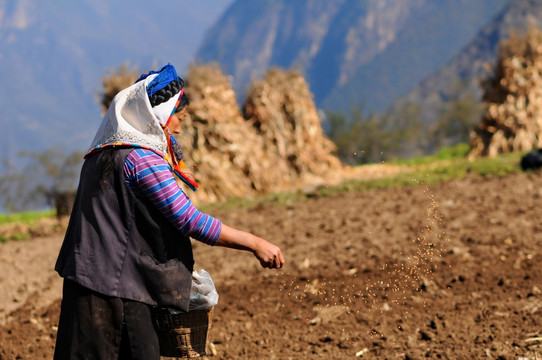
[(95, 326)]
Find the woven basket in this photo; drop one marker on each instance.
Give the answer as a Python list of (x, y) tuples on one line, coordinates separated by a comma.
[(184, 335)]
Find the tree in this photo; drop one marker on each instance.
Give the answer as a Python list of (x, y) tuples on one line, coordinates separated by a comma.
[(456, 120), (46, 179), (367, 138)]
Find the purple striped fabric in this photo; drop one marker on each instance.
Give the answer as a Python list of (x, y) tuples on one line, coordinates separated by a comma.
[(149, 175)]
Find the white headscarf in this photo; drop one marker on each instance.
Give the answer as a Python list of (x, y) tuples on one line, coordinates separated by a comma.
[(130, 120)]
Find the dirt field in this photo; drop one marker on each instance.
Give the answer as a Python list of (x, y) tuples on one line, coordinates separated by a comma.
[(442, 272)]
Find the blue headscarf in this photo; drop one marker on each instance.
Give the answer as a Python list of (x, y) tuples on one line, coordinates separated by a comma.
[(166, 75)]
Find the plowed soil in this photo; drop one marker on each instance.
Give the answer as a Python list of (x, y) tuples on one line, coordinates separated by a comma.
[(450, 271)]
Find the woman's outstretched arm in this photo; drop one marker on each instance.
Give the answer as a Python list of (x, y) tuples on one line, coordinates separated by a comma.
[(269, 255)]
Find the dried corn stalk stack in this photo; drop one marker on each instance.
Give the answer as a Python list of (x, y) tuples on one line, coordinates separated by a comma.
[(219, 146), (280, 145), (281, 109), (513, 119)]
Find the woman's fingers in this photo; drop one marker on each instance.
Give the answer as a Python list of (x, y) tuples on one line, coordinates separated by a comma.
[(270, 255), (274, 261)]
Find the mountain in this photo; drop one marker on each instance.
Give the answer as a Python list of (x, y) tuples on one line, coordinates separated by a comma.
[(460, 77), (53, 55), (371, 53), (352, 52)]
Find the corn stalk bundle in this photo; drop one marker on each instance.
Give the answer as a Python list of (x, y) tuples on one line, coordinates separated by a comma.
[(513, 97), (277, 145), (281, 109)]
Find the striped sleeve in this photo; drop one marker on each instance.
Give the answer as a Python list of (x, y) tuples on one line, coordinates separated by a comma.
[(149, 175)]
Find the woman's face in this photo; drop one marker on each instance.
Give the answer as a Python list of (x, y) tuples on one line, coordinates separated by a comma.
[(174, 124)]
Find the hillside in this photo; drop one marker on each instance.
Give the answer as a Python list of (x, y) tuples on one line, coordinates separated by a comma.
[(460, 77), (351, 52)]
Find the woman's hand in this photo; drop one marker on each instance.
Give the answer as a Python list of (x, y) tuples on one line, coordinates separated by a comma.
[(269, 255)]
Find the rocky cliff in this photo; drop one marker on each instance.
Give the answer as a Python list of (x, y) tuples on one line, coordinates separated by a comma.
[(462, 74), (351, 52)]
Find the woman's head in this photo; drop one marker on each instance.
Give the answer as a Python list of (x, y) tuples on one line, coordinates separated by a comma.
[(164, 88), (164, 95), (174, 123), (183, 102), (138, 114)]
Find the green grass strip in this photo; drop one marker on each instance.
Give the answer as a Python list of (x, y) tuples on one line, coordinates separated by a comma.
[(449, 164), (28, 218)]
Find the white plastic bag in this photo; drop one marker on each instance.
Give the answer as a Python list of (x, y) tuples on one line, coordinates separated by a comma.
[(203, 294)]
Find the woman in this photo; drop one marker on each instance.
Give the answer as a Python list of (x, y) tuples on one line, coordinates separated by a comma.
[(127, 248)]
